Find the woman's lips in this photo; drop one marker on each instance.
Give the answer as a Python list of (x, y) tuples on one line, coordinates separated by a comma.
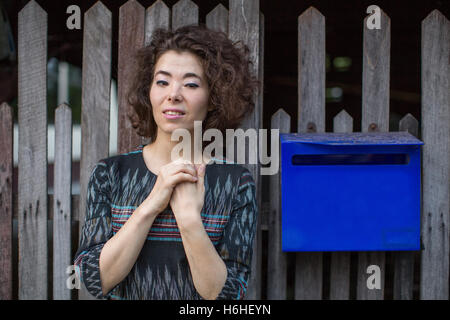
[(172, 116)]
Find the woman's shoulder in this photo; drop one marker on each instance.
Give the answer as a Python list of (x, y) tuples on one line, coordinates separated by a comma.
[(127, 159), (228, 169)]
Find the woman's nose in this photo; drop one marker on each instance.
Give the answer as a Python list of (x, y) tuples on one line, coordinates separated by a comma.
[(174, 94)]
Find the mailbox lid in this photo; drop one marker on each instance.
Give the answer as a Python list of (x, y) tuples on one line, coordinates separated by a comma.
[(352, 138)]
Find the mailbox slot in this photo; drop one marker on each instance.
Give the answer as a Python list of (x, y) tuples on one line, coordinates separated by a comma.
[(350, 159)]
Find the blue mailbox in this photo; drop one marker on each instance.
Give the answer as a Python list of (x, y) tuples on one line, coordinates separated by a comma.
[(350, 191)]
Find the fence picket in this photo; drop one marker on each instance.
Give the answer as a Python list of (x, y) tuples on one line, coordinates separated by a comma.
[(311, 118), (131, 38), (375, 117), (32, 180), (244, 25), (157, 16), (434, 271), (6, 201), (404, 261), (62, 228), (217, 19), (95, 99), (184, 12), (276, 258), (340, 261)]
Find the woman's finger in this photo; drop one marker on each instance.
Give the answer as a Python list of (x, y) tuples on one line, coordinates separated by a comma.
[(182, 177)]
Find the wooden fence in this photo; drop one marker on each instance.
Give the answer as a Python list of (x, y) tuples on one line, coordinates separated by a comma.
[(40, 264)]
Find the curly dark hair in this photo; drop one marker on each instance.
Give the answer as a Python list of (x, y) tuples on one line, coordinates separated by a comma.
[(227, 68)]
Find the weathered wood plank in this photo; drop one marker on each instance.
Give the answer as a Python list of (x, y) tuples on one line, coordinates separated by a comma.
[(244, 25), (376, 67), (131, 38), (217, 19), (311, 118), (62, 231), (32, 179), (311, 71), (75, 200), (276, 258), (434, 272), (96, 79), (156, 16), (343, 122), (404, 260), (184, 12), (340, 261), (6, 200), (410, 124), (375, 117)]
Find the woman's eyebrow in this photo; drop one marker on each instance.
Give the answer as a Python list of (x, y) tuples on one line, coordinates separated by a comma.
[(186, 75)]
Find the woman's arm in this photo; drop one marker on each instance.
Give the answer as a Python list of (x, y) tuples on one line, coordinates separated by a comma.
[(208, 270), (220, 273), (120, 253)]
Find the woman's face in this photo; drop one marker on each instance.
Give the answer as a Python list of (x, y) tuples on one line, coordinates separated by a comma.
[(179, 93)]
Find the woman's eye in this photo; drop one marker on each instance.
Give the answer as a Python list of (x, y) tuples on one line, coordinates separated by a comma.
[(161, 82), (192, 85)]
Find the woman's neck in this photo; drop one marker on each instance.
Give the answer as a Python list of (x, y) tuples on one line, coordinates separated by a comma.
[(161, 150)]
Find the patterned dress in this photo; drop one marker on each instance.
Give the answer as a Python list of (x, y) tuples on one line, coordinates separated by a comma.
[(119, 184)]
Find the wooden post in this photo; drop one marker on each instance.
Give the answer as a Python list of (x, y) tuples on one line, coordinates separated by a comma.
[(340, 261), (131, 38), (156, 16), (32, 180), (6, 200), (184, 12), (277, 259), (95, 99), (244, 25), (62, 217), (311, 118), (375, 117), (434, 272), (404, 260), (217, 19)]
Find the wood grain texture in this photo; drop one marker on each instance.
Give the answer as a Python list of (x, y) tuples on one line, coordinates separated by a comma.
[(434, 272), (376, 67), (311, 118), (217, 19), (404, 260), (156, 16), (276, 258), (96, 80), (131, 38), (244, 25), (6, 201), (311, 71), (375, 117), (62, 231), (184, 12), (32, 179), (340, 261), (343, 122)]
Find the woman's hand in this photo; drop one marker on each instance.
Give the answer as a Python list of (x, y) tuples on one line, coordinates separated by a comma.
[(170, 175), (188, 198)]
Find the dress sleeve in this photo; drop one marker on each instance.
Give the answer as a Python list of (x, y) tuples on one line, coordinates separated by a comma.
[(236, 246), (96, 230)]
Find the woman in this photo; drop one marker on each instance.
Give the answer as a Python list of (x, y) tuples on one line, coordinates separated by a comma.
[(162, 229)]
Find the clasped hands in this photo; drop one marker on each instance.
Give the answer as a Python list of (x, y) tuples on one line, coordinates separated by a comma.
[(180, 183)]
